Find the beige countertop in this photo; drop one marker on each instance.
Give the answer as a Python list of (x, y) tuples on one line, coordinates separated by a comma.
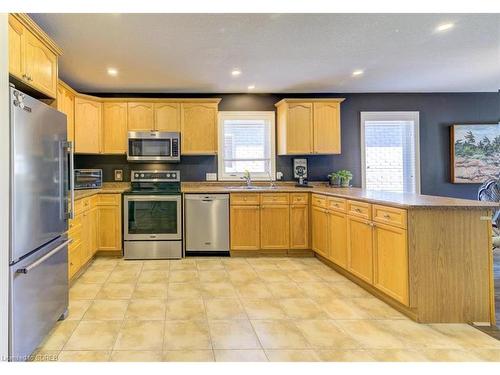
[(107, 188), (371, 196)]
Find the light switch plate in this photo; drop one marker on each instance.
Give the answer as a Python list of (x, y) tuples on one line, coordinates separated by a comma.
[(211, 176), (279, 175)]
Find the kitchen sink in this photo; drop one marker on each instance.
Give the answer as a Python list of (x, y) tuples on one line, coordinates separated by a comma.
[(250, 187)]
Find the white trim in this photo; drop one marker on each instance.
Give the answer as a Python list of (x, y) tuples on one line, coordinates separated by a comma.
[(4, 188), (246, 115), (391, 116)]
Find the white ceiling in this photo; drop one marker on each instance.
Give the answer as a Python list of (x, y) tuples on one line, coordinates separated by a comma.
[(279, 53)]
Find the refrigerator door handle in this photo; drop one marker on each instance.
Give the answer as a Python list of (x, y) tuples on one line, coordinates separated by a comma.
[(71, 151), (44, 258)]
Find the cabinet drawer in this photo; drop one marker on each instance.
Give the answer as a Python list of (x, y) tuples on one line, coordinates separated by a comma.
[(360, 209), (318, 200), (81, 205), (94, 200), (280, 198), (109, 199), (389, 215), (244, 199), (299, 198), (336, 204)]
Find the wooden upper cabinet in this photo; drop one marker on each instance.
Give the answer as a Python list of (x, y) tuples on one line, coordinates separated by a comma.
[(32, 55), (167, 117), (308, 126), (140, 116), (326, 128), (114, 128), (66, 105), (16, 56), (295, 128), (88, 126), (199, 128)]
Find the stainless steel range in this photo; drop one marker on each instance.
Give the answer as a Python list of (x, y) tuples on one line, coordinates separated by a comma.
[(152, 216)]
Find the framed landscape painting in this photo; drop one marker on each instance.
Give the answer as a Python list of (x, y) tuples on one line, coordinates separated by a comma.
[(475, 153)]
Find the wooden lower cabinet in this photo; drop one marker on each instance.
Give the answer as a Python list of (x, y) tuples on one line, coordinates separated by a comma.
[(337, 238), (299, 226), (245, 227), (96, 226), (391, 261), (275, 227), (319, 218), (109, 222), (360, 245)]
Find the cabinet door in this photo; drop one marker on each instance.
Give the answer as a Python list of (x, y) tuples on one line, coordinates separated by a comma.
[(41, 65), (320, 231), (94, 229), (86, 238), (360, 247), (87, 126), (74, 258), (391, 261), (274, 227), (299, 227), (66, 105), (140, 116), (199, 129), (16, 49), (109, 223), (114, 128), (167, 117), (337, 232), (299, 128), (326, 128), (245, 227)]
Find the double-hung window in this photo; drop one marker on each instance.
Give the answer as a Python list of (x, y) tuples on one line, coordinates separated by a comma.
[(390, 151), (246, 143)]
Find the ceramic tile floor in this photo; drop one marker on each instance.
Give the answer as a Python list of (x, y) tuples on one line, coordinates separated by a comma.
[(234, 309)]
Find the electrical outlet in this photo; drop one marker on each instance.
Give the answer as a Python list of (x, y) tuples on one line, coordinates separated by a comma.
[(211, 176), (118, 175), (279, 176)]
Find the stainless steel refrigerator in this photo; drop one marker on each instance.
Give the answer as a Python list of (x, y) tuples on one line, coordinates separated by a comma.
[(41, 160)]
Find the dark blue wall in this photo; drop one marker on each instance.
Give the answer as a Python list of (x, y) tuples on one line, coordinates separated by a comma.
[(437, 112)]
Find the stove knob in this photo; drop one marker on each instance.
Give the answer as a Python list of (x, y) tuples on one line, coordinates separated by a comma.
[(142, 174), (136, 175), (168, 175)]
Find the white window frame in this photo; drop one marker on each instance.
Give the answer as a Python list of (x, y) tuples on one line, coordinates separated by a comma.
[(392, 116), (245, 115)]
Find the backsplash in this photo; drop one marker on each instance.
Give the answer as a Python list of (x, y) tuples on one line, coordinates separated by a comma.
[(194, 168)]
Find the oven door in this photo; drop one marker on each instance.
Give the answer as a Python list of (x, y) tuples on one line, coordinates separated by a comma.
[(153, 146), (152, 217)]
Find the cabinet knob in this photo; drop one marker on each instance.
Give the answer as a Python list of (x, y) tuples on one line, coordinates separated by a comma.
[(357, 210), (387, 216)]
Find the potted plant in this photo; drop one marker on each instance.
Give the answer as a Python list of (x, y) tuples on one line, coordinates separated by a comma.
[(334, 179), (345, 177)]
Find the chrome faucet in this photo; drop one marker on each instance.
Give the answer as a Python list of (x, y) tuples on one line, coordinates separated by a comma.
[(247, 178)]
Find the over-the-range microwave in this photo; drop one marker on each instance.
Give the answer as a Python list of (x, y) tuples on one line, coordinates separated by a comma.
[(153, 146)]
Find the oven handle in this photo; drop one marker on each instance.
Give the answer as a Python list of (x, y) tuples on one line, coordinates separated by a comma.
[(142, 198)]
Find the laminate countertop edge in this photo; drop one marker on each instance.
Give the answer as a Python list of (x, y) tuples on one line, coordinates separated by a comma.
[(408, 201)]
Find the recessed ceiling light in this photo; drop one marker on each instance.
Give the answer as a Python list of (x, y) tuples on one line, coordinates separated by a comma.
[(444, 27), (251, 87), (113, 72), (235, 72), (357, 73)]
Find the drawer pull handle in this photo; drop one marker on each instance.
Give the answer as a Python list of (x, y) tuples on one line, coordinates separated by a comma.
[(357, 210), (387, 216)]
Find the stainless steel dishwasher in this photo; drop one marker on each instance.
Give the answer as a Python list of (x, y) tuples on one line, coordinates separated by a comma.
[(207, 223)]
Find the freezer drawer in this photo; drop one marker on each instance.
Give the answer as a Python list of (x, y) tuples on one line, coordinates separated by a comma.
[(38, 297), (207, 222)]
